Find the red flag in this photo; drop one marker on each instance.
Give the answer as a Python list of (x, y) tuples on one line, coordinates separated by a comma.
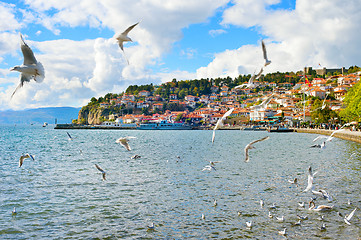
[(307, 82)]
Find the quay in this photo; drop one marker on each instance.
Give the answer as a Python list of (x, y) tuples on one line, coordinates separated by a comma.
[(347, 134)]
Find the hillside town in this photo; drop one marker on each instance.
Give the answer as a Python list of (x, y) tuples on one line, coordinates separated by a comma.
[(288, 103)]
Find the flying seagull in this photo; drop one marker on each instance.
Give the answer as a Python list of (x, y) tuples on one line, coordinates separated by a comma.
[(22, 158), (30, 69), (250, 146), (250, 83), (124, 141), (267, 62), (101, 170), (123, 37), (70, 138), (220, 122), (309, 179), (348, 217)]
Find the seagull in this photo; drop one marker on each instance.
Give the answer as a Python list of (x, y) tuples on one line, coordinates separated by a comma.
[(124, 141), (22, 158), (250, 83), (313, 207), (203, 217), (70, 138), (321, 218), (322, 145), (220, 122), (301, 204), (249, 224), (261, 203), (323, 193), (323, 227), (101, 170), (136, 156), (273, 206), (250, 146), (209, 168), (298, 223), (263, 104), (123, 37), (348, 217), (310, 179), (267, 62), (280, 219), (30, 69), (283, 232), (151, 226), (294, 181), (302, 217), (215, 203), (14, 211), (270, 215)]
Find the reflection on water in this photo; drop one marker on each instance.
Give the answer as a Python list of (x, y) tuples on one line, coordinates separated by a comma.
[(61, 194)]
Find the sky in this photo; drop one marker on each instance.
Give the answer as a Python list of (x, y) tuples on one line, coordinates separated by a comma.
[(181, 39)]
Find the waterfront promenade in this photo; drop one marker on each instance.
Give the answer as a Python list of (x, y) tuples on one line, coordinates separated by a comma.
[(347, 134)]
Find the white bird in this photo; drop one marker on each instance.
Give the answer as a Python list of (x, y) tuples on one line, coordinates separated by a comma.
[(151, 226), (209, 168), (250, 83), (267, 62), (220, 122), (124, 141), (123, 37), (101, 170), (250, 146), (249, 224), (298, 223), (323, 227), (270, 215), (302, 217), (313, 207), (213, 163), (322, 193), (321, 218), (14, 211), (23, 157), (310, 179), (263, 104), (261, 203), (215, 203), (283, 232), (280, 219), (294, 181), (203, 216), (30, 69), (301, 204), (348, 217)]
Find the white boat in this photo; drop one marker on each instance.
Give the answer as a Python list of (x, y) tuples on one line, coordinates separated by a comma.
[(164, 125)]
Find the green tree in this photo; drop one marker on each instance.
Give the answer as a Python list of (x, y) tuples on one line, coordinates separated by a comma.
[(352, 100)]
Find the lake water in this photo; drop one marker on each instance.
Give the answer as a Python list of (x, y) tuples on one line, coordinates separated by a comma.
[(61, 194)]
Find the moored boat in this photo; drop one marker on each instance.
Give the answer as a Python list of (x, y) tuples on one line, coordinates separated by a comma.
[(164, 125)]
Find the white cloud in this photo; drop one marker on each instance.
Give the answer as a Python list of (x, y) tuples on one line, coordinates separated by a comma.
[(216, 32), (325, 32), (77, 70)]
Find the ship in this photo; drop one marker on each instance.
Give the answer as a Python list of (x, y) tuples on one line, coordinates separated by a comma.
[(164, 125)]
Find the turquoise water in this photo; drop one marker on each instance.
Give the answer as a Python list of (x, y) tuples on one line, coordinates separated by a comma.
[(61, 194)]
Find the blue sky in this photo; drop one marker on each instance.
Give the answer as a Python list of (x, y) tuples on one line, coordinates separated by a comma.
[(175, 39)]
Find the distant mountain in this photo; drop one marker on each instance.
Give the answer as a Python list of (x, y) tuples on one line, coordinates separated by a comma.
[(39, 115)]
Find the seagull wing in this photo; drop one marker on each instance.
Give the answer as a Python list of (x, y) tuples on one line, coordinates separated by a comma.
[(229, 112), (320, 137), (264, 51), (29, 57), (129, 29), (259, 74), (99, 168), (250, 145), (69, 136), (21, 160), (241, 86), (30, 156), (348, 218), (259, 140), (213, 135), (124, 142), (120, 43)]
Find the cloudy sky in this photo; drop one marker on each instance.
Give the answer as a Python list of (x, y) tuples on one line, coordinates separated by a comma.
[(182, 39)]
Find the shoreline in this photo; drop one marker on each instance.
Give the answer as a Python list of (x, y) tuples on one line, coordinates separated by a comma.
[(354, 136)]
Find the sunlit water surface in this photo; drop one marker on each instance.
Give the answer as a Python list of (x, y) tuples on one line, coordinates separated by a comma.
[(61, 194)]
